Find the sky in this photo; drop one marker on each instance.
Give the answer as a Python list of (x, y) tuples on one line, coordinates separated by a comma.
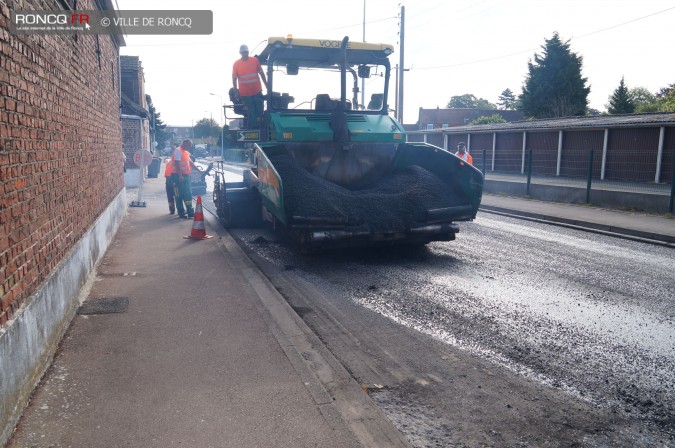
[(451, 47)]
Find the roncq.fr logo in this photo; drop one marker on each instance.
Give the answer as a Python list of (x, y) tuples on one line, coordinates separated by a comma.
[(50, 19)]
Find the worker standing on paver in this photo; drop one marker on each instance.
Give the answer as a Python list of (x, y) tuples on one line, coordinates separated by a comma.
[(246, 75), (181, 177), (463, 154)]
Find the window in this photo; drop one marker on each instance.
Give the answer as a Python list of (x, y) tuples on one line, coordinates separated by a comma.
[(430, 125)]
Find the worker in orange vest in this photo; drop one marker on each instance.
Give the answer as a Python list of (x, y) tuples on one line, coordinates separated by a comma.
[(246, 75), (463, 154), (170, 187), (182, 179)]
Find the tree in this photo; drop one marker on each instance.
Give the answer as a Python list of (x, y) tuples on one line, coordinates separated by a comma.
[(226, 134), (487, 119), (644, 100), (466, 101), (620, 102), (664, 91), (157, 126), (507, 100), (207, 127), (482, 103), (667, 102), (554, 86), (469, 101), (665, 98)]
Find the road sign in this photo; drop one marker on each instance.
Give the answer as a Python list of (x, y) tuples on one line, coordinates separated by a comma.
[(142, 157), (248, 136)]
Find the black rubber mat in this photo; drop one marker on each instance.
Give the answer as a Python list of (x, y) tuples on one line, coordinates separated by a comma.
[(104, 305)]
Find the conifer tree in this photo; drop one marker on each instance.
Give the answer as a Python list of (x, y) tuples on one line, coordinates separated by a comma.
[(621, 102), (554, 86)]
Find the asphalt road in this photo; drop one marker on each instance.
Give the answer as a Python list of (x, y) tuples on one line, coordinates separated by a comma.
[(515, 334)]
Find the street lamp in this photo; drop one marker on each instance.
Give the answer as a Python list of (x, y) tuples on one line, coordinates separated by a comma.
[(222, 126)]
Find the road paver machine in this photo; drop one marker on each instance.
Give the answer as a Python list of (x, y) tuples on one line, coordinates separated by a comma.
[(330, 171)]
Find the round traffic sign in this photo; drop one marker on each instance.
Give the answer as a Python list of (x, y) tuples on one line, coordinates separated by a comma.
[(142, 157)]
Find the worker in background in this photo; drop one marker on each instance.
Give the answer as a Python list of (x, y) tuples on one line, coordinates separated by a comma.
[(246, 75), (463, 154), (182, 179), (170, 187)]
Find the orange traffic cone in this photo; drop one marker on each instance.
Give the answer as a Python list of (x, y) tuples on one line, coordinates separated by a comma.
[(198, 229)]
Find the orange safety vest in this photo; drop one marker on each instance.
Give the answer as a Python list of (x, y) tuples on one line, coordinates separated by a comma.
[(169, 170), (184, 162), (246, 72), (466, 157)]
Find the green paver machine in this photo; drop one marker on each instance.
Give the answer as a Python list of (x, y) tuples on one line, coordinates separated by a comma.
[(333, 172)]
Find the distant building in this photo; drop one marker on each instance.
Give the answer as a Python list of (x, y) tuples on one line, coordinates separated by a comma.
[(180, 133), (448, 118)]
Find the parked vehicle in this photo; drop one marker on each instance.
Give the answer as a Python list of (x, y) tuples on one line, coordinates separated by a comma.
[(200, 150)]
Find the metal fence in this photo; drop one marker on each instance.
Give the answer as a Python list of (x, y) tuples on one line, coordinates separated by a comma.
[(635, 159), (623, 154)]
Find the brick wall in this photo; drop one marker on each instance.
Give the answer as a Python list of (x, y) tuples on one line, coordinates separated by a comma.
[(60, 148), (133, 80)]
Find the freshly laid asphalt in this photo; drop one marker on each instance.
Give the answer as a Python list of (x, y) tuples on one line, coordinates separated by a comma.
[(183, 342)]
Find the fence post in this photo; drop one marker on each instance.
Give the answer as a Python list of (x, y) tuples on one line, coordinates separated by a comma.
[(590, 176), (484, 161), (672, 188), (529, 169)]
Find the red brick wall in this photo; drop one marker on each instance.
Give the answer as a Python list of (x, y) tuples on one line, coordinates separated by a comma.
[(133, 81), (60, 148)]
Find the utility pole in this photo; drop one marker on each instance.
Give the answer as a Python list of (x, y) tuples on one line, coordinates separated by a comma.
[(152, 129), (396, 95), (399, 108), (363, 81)]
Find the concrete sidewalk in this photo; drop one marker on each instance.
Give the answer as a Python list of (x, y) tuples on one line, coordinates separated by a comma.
[(184, 343), (657, 229)]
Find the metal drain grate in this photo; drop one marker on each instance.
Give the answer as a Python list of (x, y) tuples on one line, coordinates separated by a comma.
[(104, 305)]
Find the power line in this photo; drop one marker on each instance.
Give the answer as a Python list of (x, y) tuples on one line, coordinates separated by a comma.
[(477, 61), (356, 24), (535, 49), (441, 3), (419, 13), (194, 44), (625, 23), (423, 24)]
